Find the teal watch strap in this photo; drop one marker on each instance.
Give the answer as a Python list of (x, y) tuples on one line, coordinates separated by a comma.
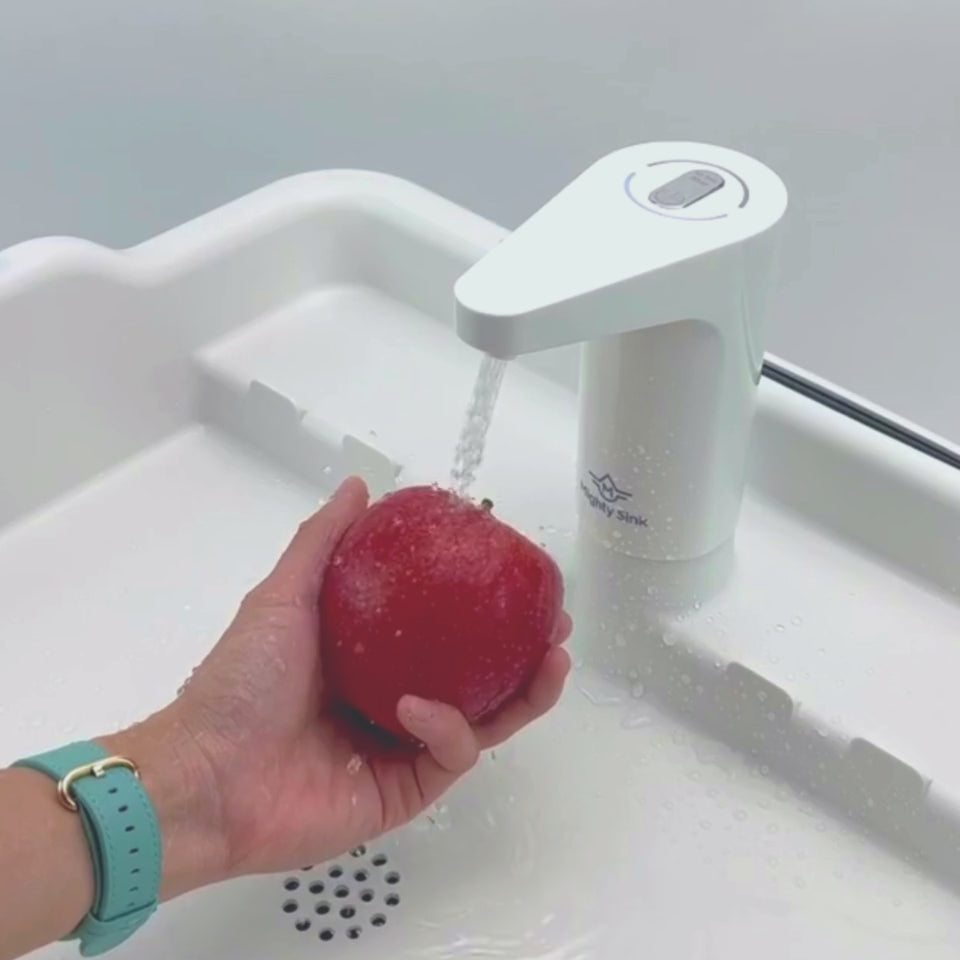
[(121, 826)]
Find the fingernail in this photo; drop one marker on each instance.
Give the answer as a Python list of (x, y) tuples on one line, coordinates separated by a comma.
[(418, 709)]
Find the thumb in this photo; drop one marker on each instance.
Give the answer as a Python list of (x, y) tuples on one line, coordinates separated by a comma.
[(298, 573)]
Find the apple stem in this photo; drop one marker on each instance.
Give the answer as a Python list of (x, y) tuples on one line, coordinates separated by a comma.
[(486, 504)]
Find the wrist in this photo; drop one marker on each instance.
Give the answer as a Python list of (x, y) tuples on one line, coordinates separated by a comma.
[(178, 778)]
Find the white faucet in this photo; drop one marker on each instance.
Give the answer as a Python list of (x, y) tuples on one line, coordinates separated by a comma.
[(658, 258)]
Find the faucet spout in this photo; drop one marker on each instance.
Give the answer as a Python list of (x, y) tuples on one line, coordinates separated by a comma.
[(659, 259)]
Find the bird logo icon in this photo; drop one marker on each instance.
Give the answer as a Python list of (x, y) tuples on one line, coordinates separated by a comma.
[(608, 489)]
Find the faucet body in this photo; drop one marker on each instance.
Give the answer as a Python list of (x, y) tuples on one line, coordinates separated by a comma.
[(659, 259)]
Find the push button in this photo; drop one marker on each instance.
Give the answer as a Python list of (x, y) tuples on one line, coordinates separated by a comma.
[(687, 189)]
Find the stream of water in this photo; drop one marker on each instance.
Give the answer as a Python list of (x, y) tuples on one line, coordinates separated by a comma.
[(473, 435)]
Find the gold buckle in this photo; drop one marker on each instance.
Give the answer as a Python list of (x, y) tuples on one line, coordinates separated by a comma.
[(97, 769)]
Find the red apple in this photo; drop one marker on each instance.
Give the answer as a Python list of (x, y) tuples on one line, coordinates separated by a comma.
[(429, 594)]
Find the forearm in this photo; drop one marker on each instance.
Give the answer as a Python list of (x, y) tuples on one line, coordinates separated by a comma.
[(46, 878), (46, 874)]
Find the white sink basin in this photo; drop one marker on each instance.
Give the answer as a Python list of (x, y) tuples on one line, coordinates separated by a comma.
[(772, 774)]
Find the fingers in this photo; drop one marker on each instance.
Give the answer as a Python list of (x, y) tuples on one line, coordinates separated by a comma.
[(564, 629), (443, 730), (542, 694), (297, 576), (453, 746)]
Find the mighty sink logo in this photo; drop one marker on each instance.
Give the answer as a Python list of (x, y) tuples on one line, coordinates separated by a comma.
[(605, 497)]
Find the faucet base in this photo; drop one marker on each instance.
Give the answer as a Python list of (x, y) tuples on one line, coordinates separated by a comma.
[(619, 601)]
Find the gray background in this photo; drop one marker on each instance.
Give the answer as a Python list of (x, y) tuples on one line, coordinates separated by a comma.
[(120, 118)]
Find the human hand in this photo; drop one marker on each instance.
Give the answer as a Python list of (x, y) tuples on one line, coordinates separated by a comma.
[(253, 770)]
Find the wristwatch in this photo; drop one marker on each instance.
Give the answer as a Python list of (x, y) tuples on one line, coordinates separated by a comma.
[(123, 832)]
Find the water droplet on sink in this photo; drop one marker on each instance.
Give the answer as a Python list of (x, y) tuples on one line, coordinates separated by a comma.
[(780, 628), (599, 692), (796, 621), (620, 640), (740, 814), (637, 691), (634, 721)]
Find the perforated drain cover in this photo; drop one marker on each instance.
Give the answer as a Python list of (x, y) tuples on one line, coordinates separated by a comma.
[(344, 897)]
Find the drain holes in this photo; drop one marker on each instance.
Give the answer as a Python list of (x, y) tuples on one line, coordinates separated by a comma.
[(357, 896)]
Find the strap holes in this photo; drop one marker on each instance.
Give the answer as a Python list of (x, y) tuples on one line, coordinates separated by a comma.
[(112, 790), (129, 829), (123, 809), (135, 870), (134, 850)]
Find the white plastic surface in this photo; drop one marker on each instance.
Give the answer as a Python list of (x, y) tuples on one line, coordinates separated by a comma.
[(751, 784)]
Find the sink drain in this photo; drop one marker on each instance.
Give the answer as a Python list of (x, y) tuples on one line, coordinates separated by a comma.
[(344, 897)]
